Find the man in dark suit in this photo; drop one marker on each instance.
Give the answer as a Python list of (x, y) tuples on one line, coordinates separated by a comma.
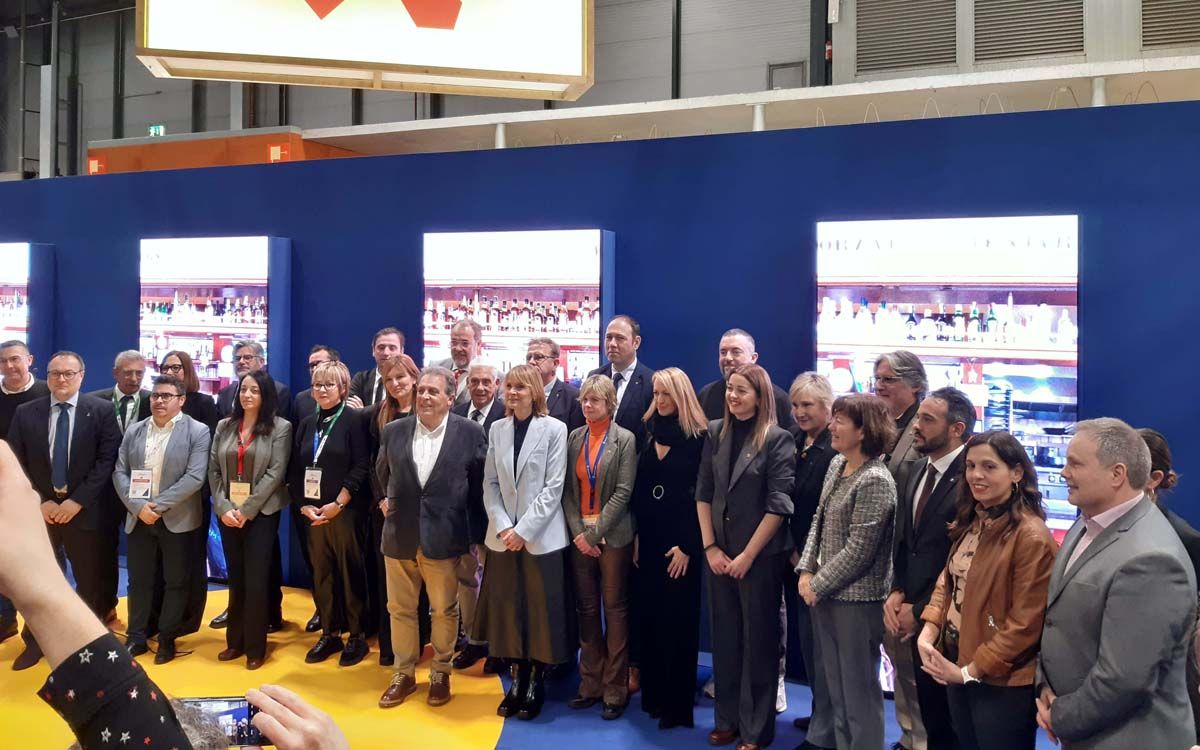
[(366, 387), (432, 467), (304, 403), (249, 357), (131, 404), (562, 399), (17, 386), (925, 506), (736, 349), (635, 389), (68, 444), (484, 404)]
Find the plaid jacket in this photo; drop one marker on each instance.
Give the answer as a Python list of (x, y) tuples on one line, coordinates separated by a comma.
[(852, 533)]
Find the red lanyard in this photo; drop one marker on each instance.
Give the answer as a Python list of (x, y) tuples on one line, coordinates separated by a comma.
[(241, 450)]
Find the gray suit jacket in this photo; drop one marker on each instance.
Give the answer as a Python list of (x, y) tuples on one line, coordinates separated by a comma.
[(183, 471), (1115, 640), (268, 475), (618, 467), (904, 454), (461, 396), (526, 497)]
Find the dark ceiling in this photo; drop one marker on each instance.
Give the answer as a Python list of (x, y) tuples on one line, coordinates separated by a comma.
[(39, 10)]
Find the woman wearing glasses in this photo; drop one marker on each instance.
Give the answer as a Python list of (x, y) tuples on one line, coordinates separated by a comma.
[(199, 406), (246, 469), (331, 458)]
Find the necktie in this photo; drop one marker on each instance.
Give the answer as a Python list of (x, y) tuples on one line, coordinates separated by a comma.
[(620, 376), (477, 416), (378, 390), (125, 402), (930, 478), (62, 439)]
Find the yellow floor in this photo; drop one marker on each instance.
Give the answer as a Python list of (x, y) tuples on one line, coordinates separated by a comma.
[(348, 694)]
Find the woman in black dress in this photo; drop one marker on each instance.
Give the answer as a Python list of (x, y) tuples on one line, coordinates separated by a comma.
[(667, 583), (400, 375)]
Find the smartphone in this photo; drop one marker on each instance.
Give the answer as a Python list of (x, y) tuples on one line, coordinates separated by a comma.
[(234, 715)]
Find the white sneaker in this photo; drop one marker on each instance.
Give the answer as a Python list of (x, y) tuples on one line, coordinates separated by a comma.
[(781, 697), (710, 688)]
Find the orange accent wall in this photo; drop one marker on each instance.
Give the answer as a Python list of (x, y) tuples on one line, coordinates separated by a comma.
[(209, 152)]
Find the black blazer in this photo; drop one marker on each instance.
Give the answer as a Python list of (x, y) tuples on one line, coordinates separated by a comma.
[(811, 467), (1188, 535), (94, 445), (495, 413), (712, 401), (363, 386), (143, 411), (445, 516), (284, 409), (303, 405), (378, 491), (639, 394), (563, 405), (345, 460), (761, 483), (201, 407), (920, 553)]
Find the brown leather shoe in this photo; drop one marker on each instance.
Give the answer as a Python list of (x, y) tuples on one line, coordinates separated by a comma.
[(230, 654), (402, 686), (254, 663), (439, 689), (722, 736)]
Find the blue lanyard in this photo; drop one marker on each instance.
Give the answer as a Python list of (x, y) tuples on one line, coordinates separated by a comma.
[(591, 470), (320, 437)]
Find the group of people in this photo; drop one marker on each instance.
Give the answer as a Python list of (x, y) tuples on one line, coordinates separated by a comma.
[(516, 518)]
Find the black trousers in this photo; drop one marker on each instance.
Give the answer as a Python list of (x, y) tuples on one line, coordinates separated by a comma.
[(745, 634), (667, 618), (248, 557), (148, 547), (197, 586), (934, 706), (339, 574), (108, 536), (989, 717)]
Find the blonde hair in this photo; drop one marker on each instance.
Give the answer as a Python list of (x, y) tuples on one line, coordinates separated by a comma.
[(335, 370), (531, 378), (814, 384), (676, 382), (602, 386), (764, 418)]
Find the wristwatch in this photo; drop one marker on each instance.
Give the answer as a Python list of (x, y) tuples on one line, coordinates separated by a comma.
[(967, 678)]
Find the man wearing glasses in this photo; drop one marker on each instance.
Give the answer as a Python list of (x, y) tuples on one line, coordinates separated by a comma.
[(304, 403), (248, 357), (159, 474), (67, 443), (562, 399)]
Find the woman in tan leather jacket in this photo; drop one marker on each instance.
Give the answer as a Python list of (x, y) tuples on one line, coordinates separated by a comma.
[(983, 623)]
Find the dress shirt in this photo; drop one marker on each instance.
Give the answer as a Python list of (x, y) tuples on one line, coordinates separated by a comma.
[(482, 411), (940, 466), (127, 414), (627, 373), (28, 384), (376, 380), (460, 379), (1098, 523), (427, 444), (54, 402), (156, 448), (550, 387)]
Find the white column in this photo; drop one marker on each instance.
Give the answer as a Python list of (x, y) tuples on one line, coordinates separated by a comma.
[(236, 121), (501, 136), (1099, 93), (760, 118)]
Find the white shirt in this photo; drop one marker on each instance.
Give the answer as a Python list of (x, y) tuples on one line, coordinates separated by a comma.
[(126, 413), (427, 444), (28, 384), (376, 380), (941, 466), (156, 449), (1097, 524), (54, 402), (550, 387), (483, 412), (627, 373)]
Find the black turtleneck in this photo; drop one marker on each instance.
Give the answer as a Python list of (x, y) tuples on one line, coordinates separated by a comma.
[(741, 430), (520, 427)]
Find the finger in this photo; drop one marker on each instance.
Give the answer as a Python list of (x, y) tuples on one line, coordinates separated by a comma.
[(281, 738), (291, 701)]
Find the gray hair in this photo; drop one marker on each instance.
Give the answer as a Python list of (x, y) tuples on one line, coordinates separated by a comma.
[(908, 368), (483, 364), (127, 356), (744, 334), (1118, 443), (444, 374), (201, 731), (476, 329), (253, 346)]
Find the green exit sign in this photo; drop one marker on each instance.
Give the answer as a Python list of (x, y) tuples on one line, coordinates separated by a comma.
[(156, 130)]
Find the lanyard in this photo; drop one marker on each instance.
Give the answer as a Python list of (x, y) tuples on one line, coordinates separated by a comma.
[(116, 399), (241, 450), (319, 437), (593, 470)]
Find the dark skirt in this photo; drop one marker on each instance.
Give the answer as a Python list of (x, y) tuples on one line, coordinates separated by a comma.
[(523, 610)]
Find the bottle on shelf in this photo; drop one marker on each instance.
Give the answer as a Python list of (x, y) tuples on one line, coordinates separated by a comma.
[(910, 324)]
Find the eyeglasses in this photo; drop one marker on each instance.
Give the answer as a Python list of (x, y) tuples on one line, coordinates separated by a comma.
[(888, 380), (247, 357), (172, 368), (164, 396), (63, 374), (325, 386), (537, 359)]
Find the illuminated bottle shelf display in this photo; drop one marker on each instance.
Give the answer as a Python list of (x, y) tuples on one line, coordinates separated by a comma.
[(14, 291)]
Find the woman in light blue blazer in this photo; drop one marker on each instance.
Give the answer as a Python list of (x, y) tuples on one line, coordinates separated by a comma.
[(247, 471), (523, 613)]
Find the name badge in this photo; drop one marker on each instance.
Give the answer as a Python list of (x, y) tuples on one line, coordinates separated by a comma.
[(239, 493), (139, 483), (312, 484)]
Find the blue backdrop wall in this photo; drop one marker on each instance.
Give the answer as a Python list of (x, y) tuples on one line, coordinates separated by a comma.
[(711, 232)]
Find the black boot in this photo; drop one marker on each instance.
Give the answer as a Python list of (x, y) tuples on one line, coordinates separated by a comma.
[(535, 694), (519, 673)]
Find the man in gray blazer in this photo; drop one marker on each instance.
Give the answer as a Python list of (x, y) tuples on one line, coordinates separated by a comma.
[(160, 471), (465, 346), (1122, 604)]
